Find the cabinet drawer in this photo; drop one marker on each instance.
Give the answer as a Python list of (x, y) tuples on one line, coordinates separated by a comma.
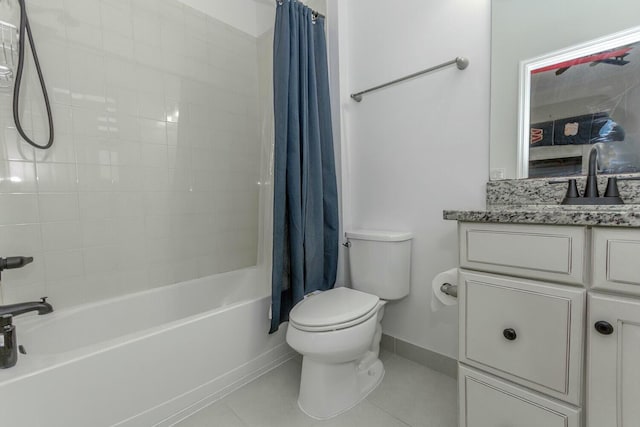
[(524, 331), (486, 401), (536, 251), (616, 260)]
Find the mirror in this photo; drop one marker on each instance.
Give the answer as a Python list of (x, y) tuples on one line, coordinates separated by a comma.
[(576, 98), (526, 29)]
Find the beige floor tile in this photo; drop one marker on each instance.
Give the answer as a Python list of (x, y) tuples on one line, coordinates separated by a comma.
[(410, 395), (216, 415), (365, 414), (415, 394), (271, 400)]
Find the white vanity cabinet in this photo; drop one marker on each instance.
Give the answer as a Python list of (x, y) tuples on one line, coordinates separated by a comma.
[(521, 345), (529, 295)]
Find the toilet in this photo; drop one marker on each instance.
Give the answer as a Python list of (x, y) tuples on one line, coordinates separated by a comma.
[(338, 331)]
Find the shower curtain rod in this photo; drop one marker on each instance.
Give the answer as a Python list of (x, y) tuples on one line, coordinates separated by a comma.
[(315, 13), (460, 62)]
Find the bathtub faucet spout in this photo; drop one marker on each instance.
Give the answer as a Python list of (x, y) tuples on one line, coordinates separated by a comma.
[(42, 307)]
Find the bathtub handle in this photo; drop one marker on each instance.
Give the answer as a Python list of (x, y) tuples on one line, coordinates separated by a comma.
[(12, 262)]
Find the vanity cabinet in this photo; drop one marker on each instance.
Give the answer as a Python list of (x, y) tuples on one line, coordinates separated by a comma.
[(522, 308), (529, 297)]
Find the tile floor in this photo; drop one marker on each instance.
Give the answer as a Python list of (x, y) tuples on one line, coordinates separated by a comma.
[(409, 395)]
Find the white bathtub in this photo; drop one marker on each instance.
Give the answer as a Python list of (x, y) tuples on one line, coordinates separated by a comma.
[(145, 359)]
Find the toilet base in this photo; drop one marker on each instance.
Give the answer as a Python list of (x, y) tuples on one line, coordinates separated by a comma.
[(329, 389)]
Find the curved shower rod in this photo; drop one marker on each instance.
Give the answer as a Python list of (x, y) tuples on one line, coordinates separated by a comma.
[(460, 62), (314, 13)]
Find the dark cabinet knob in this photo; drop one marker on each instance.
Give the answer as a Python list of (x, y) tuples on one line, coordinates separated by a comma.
[(510, 334), (605, 328)]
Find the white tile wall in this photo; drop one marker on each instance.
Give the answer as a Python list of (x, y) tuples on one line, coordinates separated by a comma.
[(153, 178)]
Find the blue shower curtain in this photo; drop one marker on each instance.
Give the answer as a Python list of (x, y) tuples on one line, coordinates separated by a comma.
[(305, 211)]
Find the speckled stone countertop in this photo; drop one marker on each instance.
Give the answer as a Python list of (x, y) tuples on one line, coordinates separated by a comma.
[(613, 216), (538, 191), (535, 201)]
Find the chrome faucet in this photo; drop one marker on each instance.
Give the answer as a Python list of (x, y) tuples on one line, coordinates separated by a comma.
[(42, 307)]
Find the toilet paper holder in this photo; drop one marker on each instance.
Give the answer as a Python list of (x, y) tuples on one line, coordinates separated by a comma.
[(449, 289)]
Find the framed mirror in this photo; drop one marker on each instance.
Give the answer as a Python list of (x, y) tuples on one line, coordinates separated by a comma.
[(580, 97)]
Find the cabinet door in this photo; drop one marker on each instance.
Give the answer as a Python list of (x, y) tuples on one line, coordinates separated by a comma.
[(613, 373), (525, 331), (486, 401), (615, 260)]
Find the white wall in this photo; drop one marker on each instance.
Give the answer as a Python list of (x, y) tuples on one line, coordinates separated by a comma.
[(420, 147), (335, 11)]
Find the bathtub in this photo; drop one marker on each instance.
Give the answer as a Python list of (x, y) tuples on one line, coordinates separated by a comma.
[(145, 359)]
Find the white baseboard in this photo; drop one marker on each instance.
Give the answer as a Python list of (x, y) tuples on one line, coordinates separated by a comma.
[(186, 404)]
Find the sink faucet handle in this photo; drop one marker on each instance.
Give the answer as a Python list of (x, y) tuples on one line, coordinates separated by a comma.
[(572, 188), (611, 193), (612, 187)]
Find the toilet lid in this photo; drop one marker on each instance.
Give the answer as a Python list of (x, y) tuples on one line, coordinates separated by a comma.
[(333, 307)]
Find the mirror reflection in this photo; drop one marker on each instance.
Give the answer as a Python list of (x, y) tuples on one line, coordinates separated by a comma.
[(522, 30), (579, 98)]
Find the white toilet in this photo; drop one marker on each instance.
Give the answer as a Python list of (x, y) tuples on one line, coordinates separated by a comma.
[(338, 331)]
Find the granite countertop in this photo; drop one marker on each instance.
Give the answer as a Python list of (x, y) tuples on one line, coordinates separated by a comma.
[(614, 216)]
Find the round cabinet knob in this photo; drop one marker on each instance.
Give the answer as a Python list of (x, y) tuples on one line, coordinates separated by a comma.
[(510, 334), (605, 328)]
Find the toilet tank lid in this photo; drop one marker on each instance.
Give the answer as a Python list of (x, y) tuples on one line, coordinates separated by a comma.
[(379, 235)]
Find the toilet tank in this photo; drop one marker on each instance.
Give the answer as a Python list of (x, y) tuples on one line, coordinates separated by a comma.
[(380, 262)]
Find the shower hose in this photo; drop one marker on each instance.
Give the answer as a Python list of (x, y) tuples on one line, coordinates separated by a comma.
[(24, 25)]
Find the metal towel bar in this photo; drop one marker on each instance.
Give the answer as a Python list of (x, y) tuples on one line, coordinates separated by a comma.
[(460, 62)]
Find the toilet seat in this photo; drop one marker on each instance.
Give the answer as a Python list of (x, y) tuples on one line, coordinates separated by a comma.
[(334, 309)]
